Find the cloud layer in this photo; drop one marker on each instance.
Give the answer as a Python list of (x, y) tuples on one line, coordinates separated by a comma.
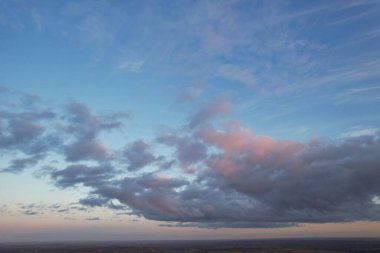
[(213, 173)]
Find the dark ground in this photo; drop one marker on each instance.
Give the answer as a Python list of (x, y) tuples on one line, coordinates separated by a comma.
[(351, 245)]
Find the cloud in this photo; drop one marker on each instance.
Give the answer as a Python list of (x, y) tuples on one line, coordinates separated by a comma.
[(258, 181), (85, 127), (132, 66), (41, 208), (191, 92), (29, 212), (237, 74), (93, 218), (93, 201), (86, 149), (69, 218), (24, 130), (84, 123), (370, 12), (30, 129), (73, 175), (97, 24), (138, 155), (151, 193), (367, 94), (209, 111), (188, 151), (238, 179), (60, 209), (361, 132), (25, 136), (235, 137), (238, 224), (19, 164)]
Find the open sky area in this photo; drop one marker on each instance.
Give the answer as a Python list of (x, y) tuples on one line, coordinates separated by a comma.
[(146, 120)]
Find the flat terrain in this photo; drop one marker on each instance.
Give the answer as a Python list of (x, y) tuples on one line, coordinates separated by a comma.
[(227, 246)]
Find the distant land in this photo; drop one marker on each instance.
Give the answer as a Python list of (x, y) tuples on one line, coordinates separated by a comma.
[(325, 245)]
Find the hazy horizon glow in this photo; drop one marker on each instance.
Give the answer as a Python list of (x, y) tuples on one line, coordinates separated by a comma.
[(130, 120)]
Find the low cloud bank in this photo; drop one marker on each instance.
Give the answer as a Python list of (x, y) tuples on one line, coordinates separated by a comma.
[(216, 173)]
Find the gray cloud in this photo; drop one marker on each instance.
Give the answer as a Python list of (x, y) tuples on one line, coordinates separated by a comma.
[(239, 224), (25, 137), (93, 218), (18, 165), (209, 111), (150, 193), (138, 155), (24, 131), (190, 92), (188, 150), (29, 212), (86, 149), (85, 126), (29, 131), (82, 174), (93, 201), (60, 209), (239, 179), (262, 182)]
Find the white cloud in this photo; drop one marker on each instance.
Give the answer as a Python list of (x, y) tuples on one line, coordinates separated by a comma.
[(361, 132), (236, 73), (132, 66)]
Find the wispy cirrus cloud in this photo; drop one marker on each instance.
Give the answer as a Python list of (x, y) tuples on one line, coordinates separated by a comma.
[(364, 94), (235, 73), (132, 66), (227, 40)]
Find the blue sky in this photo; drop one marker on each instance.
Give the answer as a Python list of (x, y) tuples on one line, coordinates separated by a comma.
[(172, 100)]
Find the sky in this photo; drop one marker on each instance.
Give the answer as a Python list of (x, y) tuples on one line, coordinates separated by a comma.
[(150, 120)]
